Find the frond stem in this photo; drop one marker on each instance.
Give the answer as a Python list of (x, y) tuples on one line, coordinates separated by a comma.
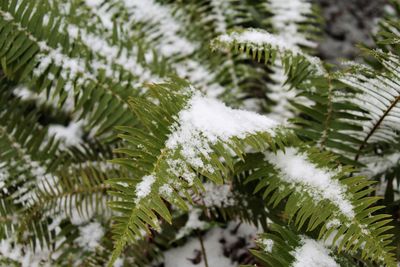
[(325, 133), (376, 126), (203, 250)]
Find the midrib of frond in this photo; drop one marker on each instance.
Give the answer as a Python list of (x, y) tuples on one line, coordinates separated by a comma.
[(329, 114), (376, 127), (48, 199), (122, 239)]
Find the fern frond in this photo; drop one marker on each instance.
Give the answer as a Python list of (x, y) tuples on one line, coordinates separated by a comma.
[(265, 47), (310, 201), (379, 96), (283, 247), (167, 161), (43, 56)]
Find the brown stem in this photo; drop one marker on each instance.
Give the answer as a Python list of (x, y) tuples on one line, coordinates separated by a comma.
[(203, 250), (376, 126)]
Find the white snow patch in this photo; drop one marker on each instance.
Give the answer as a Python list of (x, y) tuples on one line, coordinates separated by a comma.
[(193, 223), (218, 195), (4, 176), (166, 190), (93, 3), (260, 38), (24, 254), (313, 254), (70, 135), (378, 165), (143, 188), (287, 17), (90, 236), (268, 245), (119, 263), (171, 42), (180, 257), (319, 183), (333, 223), (207, 121)]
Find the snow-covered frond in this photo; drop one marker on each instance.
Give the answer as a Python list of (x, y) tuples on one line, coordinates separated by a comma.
[(193, 136), (230, 76), (311, 189), (45, 57), (296, 169), (167, 29), (258, 41), (78, 188), (162, 29), (283, 247), (265, 47)]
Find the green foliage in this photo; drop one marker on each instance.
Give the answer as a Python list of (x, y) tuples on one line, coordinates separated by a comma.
[(112, 72), (278, 246)]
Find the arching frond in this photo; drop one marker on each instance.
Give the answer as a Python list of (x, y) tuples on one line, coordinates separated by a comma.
[(308, 184), (177, 149), (379, 96)]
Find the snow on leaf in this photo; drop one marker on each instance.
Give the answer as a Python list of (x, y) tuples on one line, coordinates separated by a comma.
[(207, 121), (312, 254), (296, 169)]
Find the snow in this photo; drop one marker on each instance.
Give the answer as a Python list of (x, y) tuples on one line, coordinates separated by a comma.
[(218, 195), (150, 11), (259, 38), (90, 236), (268, 245), (93, 3), (333, 223), (119, 263), (4, 176), (199, 75), (281, 93), (143, 188), (24, 255), (70, 135), (287, 17), (214, 242), (73, 69), (112, 55), (256, 38), (218, 7), (295, 168), (193, 223), (166, 190), (74, 212), (102, 13), (312, 254), (378, 165), (377, 93), (207, 121), (6, 16)]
